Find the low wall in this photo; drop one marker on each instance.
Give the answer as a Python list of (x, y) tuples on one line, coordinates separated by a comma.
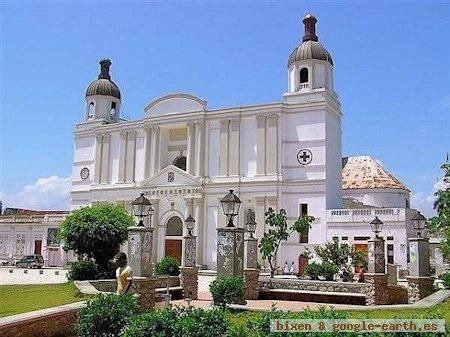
[(111, 284), (267, 283), (52, 322), (397, 294)]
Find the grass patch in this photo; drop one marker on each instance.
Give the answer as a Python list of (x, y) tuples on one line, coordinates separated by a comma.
[(16, 299)]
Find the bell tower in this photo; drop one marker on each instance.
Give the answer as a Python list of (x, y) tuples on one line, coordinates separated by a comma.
[(103, 97)]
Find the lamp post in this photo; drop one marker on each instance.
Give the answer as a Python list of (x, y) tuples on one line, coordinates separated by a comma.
[(377, 226), (418, 222), (142, 207), (190, 224), (230, 239), (376, 263), (230, 205), (140, 239)]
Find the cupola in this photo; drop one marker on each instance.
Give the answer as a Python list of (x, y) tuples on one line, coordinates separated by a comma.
[(103, 96)]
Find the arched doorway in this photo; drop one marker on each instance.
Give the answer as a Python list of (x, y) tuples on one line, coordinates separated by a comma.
[(174, 237)]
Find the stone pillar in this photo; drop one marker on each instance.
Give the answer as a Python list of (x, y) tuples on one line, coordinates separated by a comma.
[(199, 228), (419, 287), (145, 288), (230, 251), (251, 284), (140, 242), (376, 256), (189, 251), (189, 282), (190, 158), (251, 250), (200, 138), (148, 153), (223, 146), (419, 257), (379, 284)]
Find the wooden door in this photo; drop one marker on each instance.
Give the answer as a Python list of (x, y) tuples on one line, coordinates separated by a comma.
[(302, 263), (38, 247), (174, 248)]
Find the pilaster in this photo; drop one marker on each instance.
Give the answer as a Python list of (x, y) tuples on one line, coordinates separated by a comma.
[(272, 145), (122, 156), (261, 145), (234, 144), (98, 159), (104, 169), (148, 152), (130, 156), (199, 218), (223, 145), (190, 159), (200, 138)]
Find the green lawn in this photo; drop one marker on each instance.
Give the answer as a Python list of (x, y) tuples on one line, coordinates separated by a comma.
[(16, 299)]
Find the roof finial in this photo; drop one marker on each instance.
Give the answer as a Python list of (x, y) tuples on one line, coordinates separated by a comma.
[(104, 69), (310, 28)]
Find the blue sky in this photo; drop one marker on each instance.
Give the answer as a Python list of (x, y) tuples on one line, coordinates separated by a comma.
[(392, 73)]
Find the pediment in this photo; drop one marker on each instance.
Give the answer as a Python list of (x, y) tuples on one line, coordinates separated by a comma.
[(174, 104), (172, 176)]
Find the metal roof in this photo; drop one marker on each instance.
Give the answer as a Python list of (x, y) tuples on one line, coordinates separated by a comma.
[(310, 50)]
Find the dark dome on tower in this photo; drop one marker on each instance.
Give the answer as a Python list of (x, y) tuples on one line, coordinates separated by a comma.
[(310, 48), (103, 85)]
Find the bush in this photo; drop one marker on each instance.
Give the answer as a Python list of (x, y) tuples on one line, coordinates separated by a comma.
[(227, 289), (313, 270), (327, 270), (106, 315), (347, 274), (186, 322), (446, 280), (83, 270), (168, 266)]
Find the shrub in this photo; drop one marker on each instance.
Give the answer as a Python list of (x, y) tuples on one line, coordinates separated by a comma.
[(168, 266), (446, 280), (347, 274), (161, 323), (313, 270), (186, 322), (106, 315), (83, 270), (327, 270), (227, 289)]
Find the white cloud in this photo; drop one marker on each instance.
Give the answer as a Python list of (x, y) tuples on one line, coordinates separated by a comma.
[(425, 201), (42, 195)]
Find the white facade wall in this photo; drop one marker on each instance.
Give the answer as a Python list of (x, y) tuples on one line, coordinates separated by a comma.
[(379, 197)]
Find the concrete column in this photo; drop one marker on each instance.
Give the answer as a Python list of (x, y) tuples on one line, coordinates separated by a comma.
[(189, 282), (376, 263), (419, 256), (190, 158), (251, 253), (272, 144), (251, 284), (261, 145), (230, 251), (140, 246), (130, 156), (122, 156), (189, 251), (145, 288), (148, 153), (419, 287), (379, 293), (199, 228), (223, 145), (98, 159), (155, 167), (104, 170), (200, 138), (234, 147)]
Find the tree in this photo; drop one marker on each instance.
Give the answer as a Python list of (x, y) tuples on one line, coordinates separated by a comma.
[(279, 231), (440, 224), (340, 255), (96, 232)]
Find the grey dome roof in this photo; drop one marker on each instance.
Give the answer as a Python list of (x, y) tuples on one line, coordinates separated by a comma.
[(310, 50), (310, 47), (103, 85)]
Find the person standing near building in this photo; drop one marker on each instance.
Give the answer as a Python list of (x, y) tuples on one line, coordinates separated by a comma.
[(123, 273)]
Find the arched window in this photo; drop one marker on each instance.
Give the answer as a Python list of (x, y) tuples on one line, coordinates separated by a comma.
[(174, 227), (180, 162), (304, 75), (91, 110), (113, 109)]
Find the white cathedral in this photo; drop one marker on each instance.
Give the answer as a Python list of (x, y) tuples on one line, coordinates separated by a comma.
[(185, 157)]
